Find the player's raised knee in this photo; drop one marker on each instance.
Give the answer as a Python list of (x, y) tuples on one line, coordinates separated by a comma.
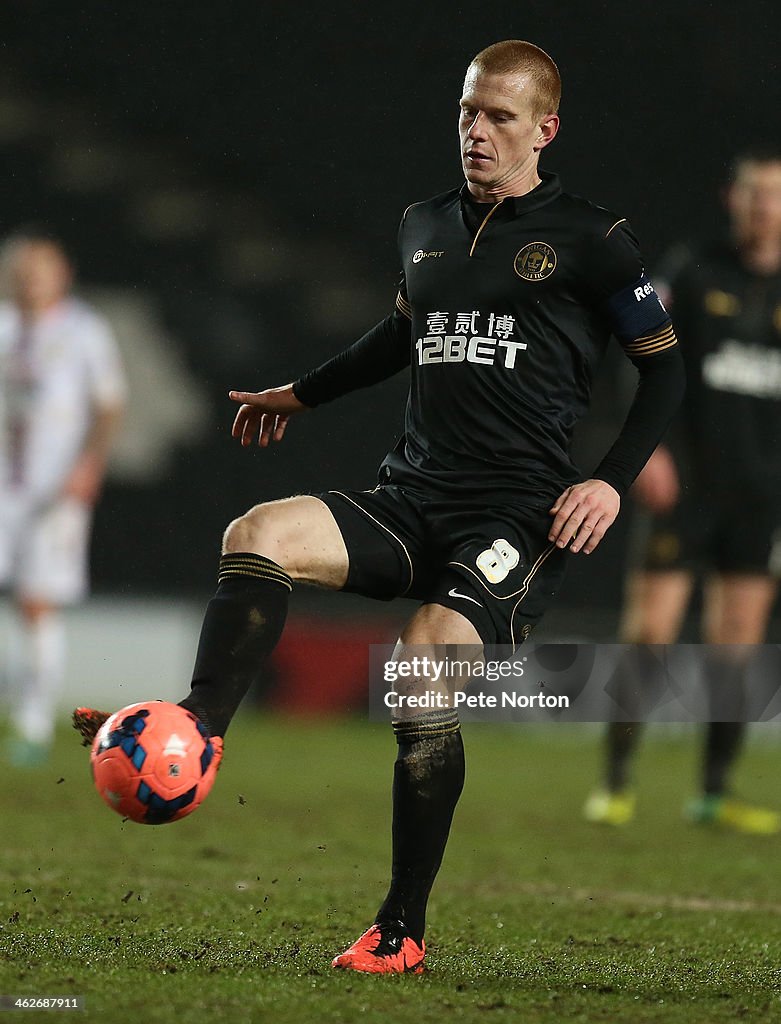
[(257, 530)]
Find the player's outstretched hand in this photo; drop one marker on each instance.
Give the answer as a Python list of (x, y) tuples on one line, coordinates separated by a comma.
[(264, 414), (584, 514)]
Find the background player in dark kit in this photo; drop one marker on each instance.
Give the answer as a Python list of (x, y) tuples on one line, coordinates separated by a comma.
[(714, 491), (511, 289)]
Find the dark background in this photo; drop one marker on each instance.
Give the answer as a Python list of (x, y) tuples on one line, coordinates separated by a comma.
[(315, 127)]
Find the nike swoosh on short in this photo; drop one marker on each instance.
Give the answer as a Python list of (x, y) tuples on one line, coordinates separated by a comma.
[(464, 597)]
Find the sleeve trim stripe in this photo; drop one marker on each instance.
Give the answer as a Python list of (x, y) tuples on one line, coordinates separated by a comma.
[(403, 306), (622, 221), (650, 347), (666, 332), (646, 346)]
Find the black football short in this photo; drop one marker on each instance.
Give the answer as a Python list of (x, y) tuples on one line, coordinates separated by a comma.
[(733, 533), (494, 565)]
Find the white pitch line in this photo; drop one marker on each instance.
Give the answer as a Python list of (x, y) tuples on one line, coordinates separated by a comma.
[(644, 899)]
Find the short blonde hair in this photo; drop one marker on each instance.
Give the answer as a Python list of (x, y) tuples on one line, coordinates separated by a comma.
[(517, 57)]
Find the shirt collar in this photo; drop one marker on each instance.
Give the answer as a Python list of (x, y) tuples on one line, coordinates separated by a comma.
[(548, 189)]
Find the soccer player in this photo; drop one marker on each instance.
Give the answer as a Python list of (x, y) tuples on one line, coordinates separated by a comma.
[(509, 294), (61, 396), (714, 492)]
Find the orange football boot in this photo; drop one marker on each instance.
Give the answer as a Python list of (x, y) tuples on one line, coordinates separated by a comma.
[(384, 949)]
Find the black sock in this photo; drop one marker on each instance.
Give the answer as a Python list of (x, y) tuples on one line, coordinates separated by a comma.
[(638, 683), (723, 741), (725, 679), (622, 738), (242, 625), (427, 781)]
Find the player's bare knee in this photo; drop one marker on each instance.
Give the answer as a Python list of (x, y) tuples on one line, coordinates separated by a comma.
[(254, 531), (435, 625), (34, 610)]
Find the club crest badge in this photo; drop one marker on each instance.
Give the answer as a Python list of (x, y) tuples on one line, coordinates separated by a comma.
[(535, 262)]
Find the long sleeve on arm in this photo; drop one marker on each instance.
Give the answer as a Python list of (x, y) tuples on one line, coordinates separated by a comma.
[(659, 392), (632, 310), (379, 354)]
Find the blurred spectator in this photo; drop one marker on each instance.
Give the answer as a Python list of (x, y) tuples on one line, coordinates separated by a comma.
[(61, 397)]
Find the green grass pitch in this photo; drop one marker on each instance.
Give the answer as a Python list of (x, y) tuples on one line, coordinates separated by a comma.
[(234, 913)]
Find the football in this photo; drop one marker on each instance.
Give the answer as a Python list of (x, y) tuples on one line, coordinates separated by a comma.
[(154, 762)]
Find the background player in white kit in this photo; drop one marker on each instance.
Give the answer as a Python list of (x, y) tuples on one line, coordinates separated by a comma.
[(61, 396)]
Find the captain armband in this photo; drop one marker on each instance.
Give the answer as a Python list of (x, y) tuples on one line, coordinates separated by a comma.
[(639, 320)]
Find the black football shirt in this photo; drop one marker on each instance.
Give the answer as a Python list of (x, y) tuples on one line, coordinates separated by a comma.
[(729, 321), (510, 318), (503, 314)]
